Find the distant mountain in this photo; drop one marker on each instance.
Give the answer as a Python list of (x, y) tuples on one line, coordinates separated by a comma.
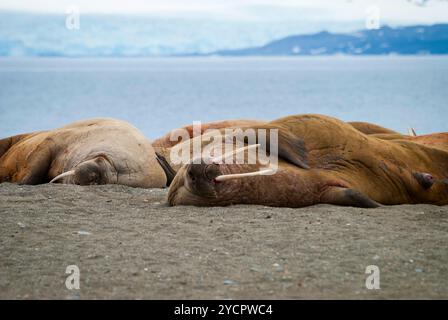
[(386, 40), (127, 35)]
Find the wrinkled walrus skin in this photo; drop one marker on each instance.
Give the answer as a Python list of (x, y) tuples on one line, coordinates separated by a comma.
[(325, 160), (166, 142), (99, 151)]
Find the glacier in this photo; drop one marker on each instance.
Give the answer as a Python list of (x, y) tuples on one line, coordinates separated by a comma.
[(31, 34)]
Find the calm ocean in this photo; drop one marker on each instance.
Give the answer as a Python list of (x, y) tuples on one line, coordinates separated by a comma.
[(157, 95)]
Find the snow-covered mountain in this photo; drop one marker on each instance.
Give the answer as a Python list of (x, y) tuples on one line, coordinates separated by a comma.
[(386, 40), (26, 34)]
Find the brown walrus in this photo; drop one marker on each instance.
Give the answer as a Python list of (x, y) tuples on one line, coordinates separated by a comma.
[(167, 141), (325, 160), (165, 144), (16, 166), (97, 151)]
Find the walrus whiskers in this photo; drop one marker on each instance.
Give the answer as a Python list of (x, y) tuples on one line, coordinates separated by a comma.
[(225, 177), (63, 175)]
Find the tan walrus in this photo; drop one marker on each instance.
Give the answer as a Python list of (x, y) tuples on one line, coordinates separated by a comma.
[(97, 151), (325, 160), (167, 140), (164, 144)]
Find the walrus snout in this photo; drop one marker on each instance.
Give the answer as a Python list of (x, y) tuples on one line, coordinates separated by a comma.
[(200, 178), (94, 171)]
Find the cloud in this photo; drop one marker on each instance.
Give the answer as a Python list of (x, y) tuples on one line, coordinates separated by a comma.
[(267, 10)]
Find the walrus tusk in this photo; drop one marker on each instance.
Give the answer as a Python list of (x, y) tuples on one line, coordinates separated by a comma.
[(227, 155), (234, 152), (411, 132), (225, 177), (62, 175)]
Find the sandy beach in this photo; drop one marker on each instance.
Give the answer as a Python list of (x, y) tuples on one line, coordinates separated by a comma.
[(128, 244)]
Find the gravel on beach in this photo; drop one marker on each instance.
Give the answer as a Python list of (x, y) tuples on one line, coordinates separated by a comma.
[(128, 244)]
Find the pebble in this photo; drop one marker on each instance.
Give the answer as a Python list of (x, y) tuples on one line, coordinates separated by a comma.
[(278, 267), (418, 270), (376, 257), (21, 225), (84, 233), (75, 296), (229, 282)]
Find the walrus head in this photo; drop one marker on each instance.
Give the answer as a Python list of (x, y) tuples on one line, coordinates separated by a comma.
[(212, 184), (98, 170)]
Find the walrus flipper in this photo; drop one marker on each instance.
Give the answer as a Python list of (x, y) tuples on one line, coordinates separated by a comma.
[(290, 147), (169, 171), (348, 197), (37, 166)]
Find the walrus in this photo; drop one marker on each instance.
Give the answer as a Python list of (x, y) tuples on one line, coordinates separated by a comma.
[(96, 151), (166, 140), (165, 144), (324, 160), (370, 128)]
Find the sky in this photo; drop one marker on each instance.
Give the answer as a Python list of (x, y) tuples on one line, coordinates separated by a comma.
[(394, 11), (171, 27)]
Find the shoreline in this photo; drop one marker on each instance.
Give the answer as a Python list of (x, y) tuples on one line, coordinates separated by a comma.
[(129, 244)]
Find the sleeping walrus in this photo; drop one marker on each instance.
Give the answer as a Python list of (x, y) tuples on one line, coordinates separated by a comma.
[(170, 139), (98, 151), (165, 144), (324, 160)]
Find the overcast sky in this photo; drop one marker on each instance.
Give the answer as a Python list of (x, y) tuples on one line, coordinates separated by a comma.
[(338, 10)]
